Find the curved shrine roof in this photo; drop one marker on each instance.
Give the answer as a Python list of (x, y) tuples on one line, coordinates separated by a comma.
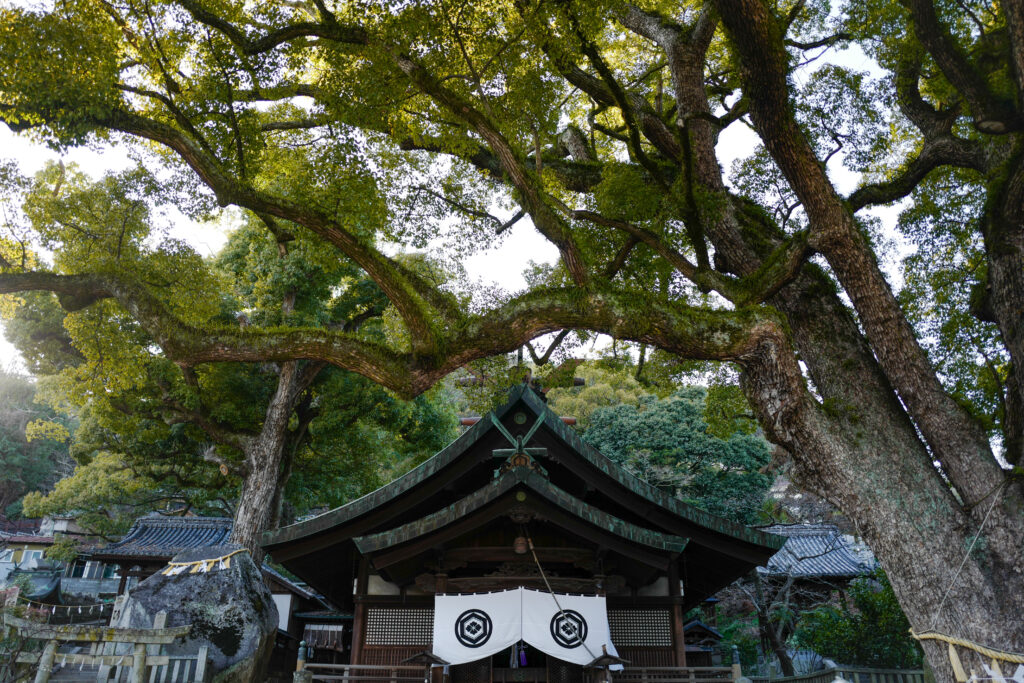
[(569, 476)]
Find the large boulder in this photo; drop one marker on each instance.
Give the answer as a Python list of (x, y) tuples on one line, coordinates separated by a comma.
[(226, 602)]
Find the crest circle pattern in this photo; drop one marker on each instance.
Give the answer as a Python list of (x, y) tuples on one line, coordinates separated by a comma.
[(569, 629), (473, 628)]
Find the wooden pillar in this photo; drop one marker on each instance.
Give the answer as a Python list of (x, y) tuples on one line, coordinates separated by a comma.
[(139, 663), (359, 614), (46, 662), (201, 661), (675, 597), (123, 571)]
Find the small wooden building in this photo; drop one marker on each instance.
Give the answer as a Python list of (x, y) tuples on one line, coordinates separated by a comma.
[(154, 539), (518, 500)]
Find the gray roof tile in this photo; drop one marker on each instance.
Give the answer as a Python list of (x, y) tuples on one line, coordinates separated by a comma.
[(159, 537), (816, 551)]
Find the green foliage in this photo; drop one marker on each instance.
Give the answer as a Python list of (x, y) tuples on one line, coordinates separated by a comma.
[(942, 277), (27, 464), (58, 70), (666, 442), (740, 631), (155, 437), (604, 386), (624, 194), (364, 438), (872, 631), (64, 549)]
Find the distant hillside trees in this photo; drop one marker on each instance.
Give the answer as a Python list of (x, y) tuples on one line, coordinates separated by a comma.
[(693, 442), (33, 448)]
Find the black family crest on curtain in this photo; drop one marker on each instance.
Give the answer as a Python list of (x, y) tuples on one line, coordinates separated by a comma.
[(473, 628), (569, 628)]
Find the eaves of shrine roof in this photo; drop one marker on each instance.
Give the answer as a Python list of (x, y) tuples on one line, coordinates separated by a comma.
[(701, 526), (503, 485)]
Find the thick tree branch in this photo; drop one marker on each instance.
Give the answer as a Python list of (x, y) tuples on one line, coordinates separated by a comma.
[(991, 114), (945, 151), (187, 344), (623, 314), (619, 261), (542, 360), (954, 437), (821, 42), (254, 46)]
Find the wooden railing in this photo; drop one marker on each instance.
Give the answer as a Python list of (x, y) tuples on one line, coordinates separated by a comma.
[(143, 664), (675, 674), (398, 673), (853, 674), (169, 668)]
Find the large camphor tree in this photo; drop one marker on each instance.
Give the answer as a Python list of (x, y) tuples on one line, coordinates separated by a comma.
[(365, 122), (148, 436)]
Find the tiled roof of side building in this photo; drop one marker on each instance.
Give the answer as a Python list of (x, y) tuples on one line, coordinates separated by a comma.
[(817, 551), (22, 539), (160, 537)]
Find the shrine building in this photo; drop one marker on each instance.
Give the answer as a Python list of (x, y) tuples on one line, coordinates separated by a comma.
[(517, 501)]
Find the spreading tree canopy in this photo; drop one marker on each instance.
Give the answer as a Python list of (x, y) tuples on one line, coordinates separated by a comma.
[(151, 437), (364, 122)]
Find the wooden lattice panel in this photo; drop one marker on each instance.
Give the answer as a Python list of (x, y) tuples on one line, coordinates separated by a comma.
[(391, 626), (564, 672), (640, 627), (386, 655), (472, 672), (648, 656)]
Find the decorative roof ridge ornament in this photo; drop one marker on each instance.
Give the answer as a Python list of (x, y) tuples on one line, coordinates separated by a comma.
[(519, 455)]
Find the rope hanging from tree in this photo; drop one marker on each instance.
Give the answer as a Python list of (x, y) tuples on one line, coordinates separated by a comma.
[(995, 655), (954, 659)]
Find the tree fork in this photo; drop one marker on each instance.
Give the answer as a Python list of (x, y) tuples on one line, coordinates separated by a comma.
[(950, 432)]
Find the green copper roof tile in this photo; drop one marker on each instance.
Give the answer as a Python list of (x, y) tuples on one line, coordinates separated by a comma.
[(496, 489), (463, 443)]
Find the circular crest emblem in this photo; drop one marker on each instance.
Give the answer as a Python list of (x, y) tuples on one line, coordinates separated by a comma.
[(473, 628), (569, 628)]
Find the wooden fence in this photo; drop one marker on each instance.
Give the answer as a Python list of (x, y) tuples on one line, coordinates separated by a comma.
[(370, 673), (853, 674), (676, 674), (143, 664)]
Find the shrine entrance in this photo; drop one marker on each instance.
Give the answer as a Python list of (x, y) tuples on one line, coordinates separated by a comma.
[(530, 665), (517, 502), (535, 667)]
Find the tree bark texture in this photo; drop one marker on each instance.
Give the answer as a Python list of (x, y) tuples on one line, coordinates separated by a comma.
[(263, 458)]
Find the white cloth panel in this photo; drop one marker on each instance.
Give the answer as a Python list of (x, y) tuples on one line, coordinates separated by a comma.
[(471, 627), (576, 634)]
